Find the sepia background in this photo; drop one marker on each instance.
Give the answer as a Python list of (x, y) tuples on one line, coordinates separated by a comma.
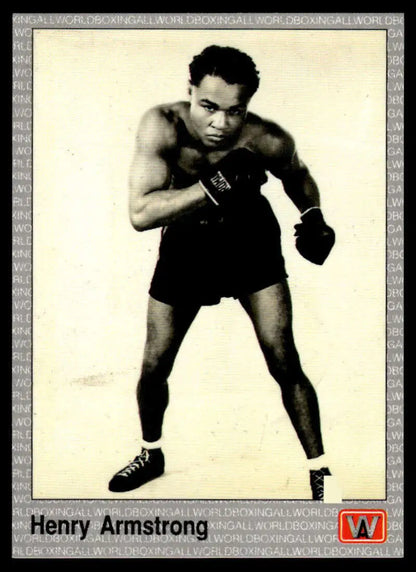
[(226, 434)]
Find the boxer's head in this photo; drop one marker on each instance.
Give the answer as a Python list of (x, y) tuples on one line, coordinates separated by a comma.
[(222, 82), (230, 64)]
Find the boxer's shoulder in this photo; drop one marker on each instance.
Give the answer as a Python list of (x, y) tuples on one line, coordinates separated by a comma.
[(161, 123), (266, 137)]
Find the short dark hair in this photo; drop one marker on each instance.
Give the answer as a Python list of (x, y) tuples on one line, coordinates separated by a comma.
[(232, 65)]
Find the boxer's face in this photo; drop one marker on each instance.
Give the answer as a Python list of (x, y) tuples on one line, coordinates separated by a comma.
[(217, 111)]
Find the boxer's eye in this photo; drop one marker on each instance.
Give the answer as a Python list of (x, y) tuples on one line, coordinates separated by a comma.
[(235, 112)]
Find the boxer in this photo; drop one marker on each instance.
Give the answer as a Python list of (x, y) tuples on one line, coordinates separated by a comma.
[(197, 173)]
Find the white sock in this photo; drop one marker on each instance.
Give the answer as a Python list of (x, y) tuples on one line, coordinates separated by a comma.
[(152, 445)]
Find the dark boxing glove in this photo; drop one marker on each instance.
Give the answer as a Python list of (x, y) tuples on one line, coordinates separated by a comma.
[(314, 238), (237, 176)]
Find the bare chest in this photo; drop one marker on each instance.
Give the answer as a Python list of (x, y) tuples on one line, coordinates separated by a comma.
[(193, 161)]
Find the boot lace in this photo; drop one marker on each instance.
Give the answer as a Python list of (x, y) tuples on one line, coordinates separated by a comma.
[(318, 483), (138, 462)]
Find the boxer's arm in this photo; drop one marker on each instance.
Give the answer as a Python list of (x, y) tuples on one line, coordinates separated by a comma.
[(314, 238), (151, 202), (284, 163), (300, 186)]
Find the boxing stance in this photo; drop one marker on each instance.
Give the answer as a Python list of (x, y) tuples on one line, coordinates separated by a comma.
[(197, 173)]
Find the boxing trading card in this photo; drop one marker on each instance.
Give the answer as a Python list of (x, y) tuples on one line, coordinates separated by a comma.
[(207, 285)]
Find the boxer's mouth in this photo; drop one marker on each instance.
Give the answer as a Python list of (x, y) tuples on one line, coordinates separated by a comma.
[(216, 136)]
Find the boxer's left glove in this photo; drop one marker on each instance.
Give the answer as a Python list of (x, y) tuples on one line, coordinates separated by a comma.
[(314, 238), (236, 177)]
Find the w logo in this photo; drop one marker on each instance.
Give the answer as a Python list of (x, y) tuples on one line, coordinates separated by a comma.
[(362, 526)]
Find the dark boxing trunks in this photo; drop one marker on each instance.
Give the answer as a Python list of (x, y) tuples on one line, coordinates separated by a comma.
[(219, 254)]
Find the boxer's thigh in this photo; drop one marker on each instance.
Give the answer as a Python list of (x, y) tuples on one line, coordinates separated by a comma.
[(270, 311), (166, 327)]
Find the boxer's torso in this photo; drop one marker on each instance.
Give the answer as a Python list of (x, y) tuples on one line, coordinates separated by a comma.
[(187, 157)]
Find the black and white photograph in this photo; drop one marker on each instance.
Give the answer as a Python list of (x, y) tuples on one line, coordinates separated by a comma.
[(208, 263), (207, 285)]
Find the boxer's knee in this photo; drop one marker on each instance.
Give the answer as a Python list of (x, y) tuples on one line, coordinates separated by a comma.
[(153, 376), (284, 365), (157, 365)]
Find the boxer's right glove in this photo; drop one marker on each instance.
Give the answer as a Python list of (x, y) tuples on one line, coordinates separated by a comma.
[(236, 177)]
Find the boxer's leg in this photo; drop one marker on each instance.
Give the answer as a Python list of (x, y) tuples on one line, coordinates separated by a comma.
[(271, 313), (166, 328)]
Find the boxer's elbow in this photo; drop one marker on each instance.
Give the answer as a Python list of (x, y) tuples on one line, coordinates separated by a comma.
[(138, 225), (139, 213), (139, 221)]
